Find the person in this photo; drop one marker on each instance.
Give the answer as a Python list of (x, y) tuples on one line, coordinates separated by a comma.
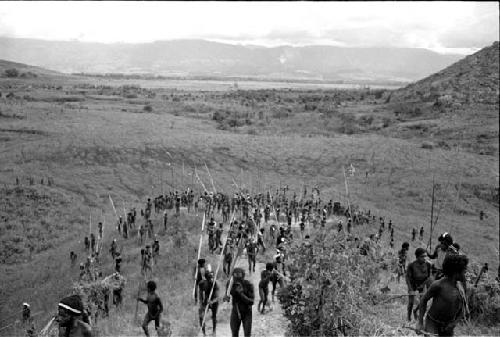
[(114, 249), (444, 248), (72, 319), (87, 243), (73, 256), (146, 262), (118, 261), (212, 302), (413, 234), (418, 277), (421, 233), (242, 293), (155, 307), (26, 312), (218, 237), (402, 255), (165, 219), (260, 240), (228, 257), (252, 248), (156, 250), (449, 302), (199, 272), (263, 290)]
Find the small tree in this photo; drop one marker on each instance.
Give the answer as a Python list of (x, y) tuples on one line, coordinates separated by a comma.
[(13, 72)]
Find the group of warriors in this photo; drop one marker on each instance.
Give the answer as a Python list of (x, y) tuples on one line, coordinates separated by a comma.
[(255, 224)]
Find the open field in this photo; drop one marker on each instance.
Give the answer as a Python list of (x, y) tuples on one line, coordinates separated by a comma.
[(94, 138)]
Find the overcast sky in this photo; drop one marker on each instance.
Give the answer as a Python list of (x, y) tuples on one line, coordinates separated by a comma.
[(461, 27)]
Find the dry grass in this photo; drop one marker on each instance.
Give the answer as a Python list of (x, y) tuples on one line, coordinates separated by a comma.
[(93, 147)]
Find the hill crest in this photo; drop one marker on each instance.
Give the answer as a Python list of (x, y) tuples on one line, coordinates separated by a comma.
[(474, 79)]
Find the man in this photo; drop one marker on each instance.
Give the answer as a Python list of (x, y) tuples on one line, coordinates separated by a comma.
[(260, 240), (113, 250), (73, 321), (242, 293), (199, 272), (421, 233), (402, 255), (444, 248), (251, 247), (218, 236), (156, 251), (228, 257), (165, 218), (418, 278), (449, 302), (155, 307), (212, 302)]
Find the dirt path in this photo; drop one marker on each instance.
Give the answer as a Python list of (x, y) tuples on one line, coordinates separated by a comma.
[(271, 323)]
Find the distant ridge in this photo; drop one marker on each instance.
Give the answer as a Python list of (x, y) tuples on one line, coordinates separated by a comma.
[(207, 58), (474, 79)]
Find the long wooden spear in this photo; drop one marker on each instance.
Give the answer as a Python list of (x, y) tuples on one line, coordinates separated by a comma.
[(199, 254), (432, 212)]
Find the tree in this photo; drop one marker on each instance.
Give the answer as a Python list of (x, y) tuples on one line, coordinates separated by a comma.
[(12, 72)]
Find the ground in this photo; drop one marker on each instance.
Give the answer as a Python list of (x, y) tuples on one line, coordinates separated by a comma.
[(97, 139)]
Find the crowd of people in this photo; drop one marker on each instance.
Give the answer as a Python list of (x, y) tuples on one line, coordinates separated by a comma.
[(265, 224)]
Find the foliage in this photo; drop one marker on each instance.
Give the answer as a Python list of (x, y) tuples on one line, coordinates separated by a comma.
[(12, 72), (330, 287)]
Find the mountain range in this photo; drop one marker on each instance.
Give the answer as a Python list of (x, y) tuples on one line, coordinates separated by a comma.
[(207, 58)]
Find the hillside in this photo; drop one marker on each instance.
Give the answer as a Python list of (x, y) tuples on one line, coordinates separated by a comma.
[(474, 79), (199, 57)]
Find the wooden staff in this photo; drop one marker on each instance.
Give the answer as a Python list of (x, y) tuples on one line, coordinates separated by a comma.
[(211, 179), (217, 271), (347, 193), (432, 213), (199, 253)]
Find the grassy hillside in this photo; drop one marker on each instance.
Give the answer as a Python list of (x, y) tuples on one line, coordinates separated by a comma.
[(131, 142)]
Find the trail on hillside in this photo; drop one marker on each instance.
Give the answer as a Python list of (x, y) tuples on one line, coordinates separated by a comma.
[(271, 323)]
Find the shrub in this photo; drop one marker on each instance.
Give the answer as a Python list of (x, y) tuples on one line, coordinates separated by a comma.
[(330, 286), (12, 72), (148, 108)]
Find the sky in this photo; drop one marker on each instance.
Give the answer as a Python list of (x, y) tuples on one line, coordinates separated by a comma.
[(447, 27)]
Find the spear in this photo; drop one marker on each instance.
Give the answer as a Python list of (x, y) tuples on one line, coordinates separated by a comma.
[(432, 212)]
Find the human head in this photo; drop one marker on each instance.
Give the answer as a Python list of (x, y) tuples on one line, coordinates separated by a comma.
[(69, 307), (447, 239), (201, 262), (151, 286), (455, 264), (405, 245), (209, 275), (239, 273), (420, 254)]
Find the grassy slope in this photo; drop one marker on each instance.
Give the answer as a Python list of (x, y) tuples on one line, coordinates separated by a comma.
[(93, 147)]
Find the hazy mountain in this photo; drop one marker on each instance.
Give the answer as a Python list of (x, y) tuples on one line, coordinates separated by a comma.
[(199, 57), (474, 79)]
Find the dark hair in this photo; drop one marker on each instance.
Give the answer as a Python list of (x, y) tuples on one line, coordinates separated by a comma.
[(405, 245), (448, 240), (419, 251), (151, 286), (454, 264)]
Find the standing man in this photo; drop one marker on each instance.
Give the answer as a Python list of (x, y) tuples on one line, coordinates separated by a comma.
[(155, 307), (449, 302), (243, 298), (418, 278), (212, 302)]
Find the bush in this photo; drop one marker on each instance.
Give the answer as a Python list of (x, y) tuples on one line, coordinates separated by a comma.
[(12, 72), (148, 108), (330, 286)]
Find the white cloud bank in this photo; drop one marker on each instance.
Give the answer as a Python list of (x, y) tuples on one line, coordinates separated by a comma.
[(442, 26)]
